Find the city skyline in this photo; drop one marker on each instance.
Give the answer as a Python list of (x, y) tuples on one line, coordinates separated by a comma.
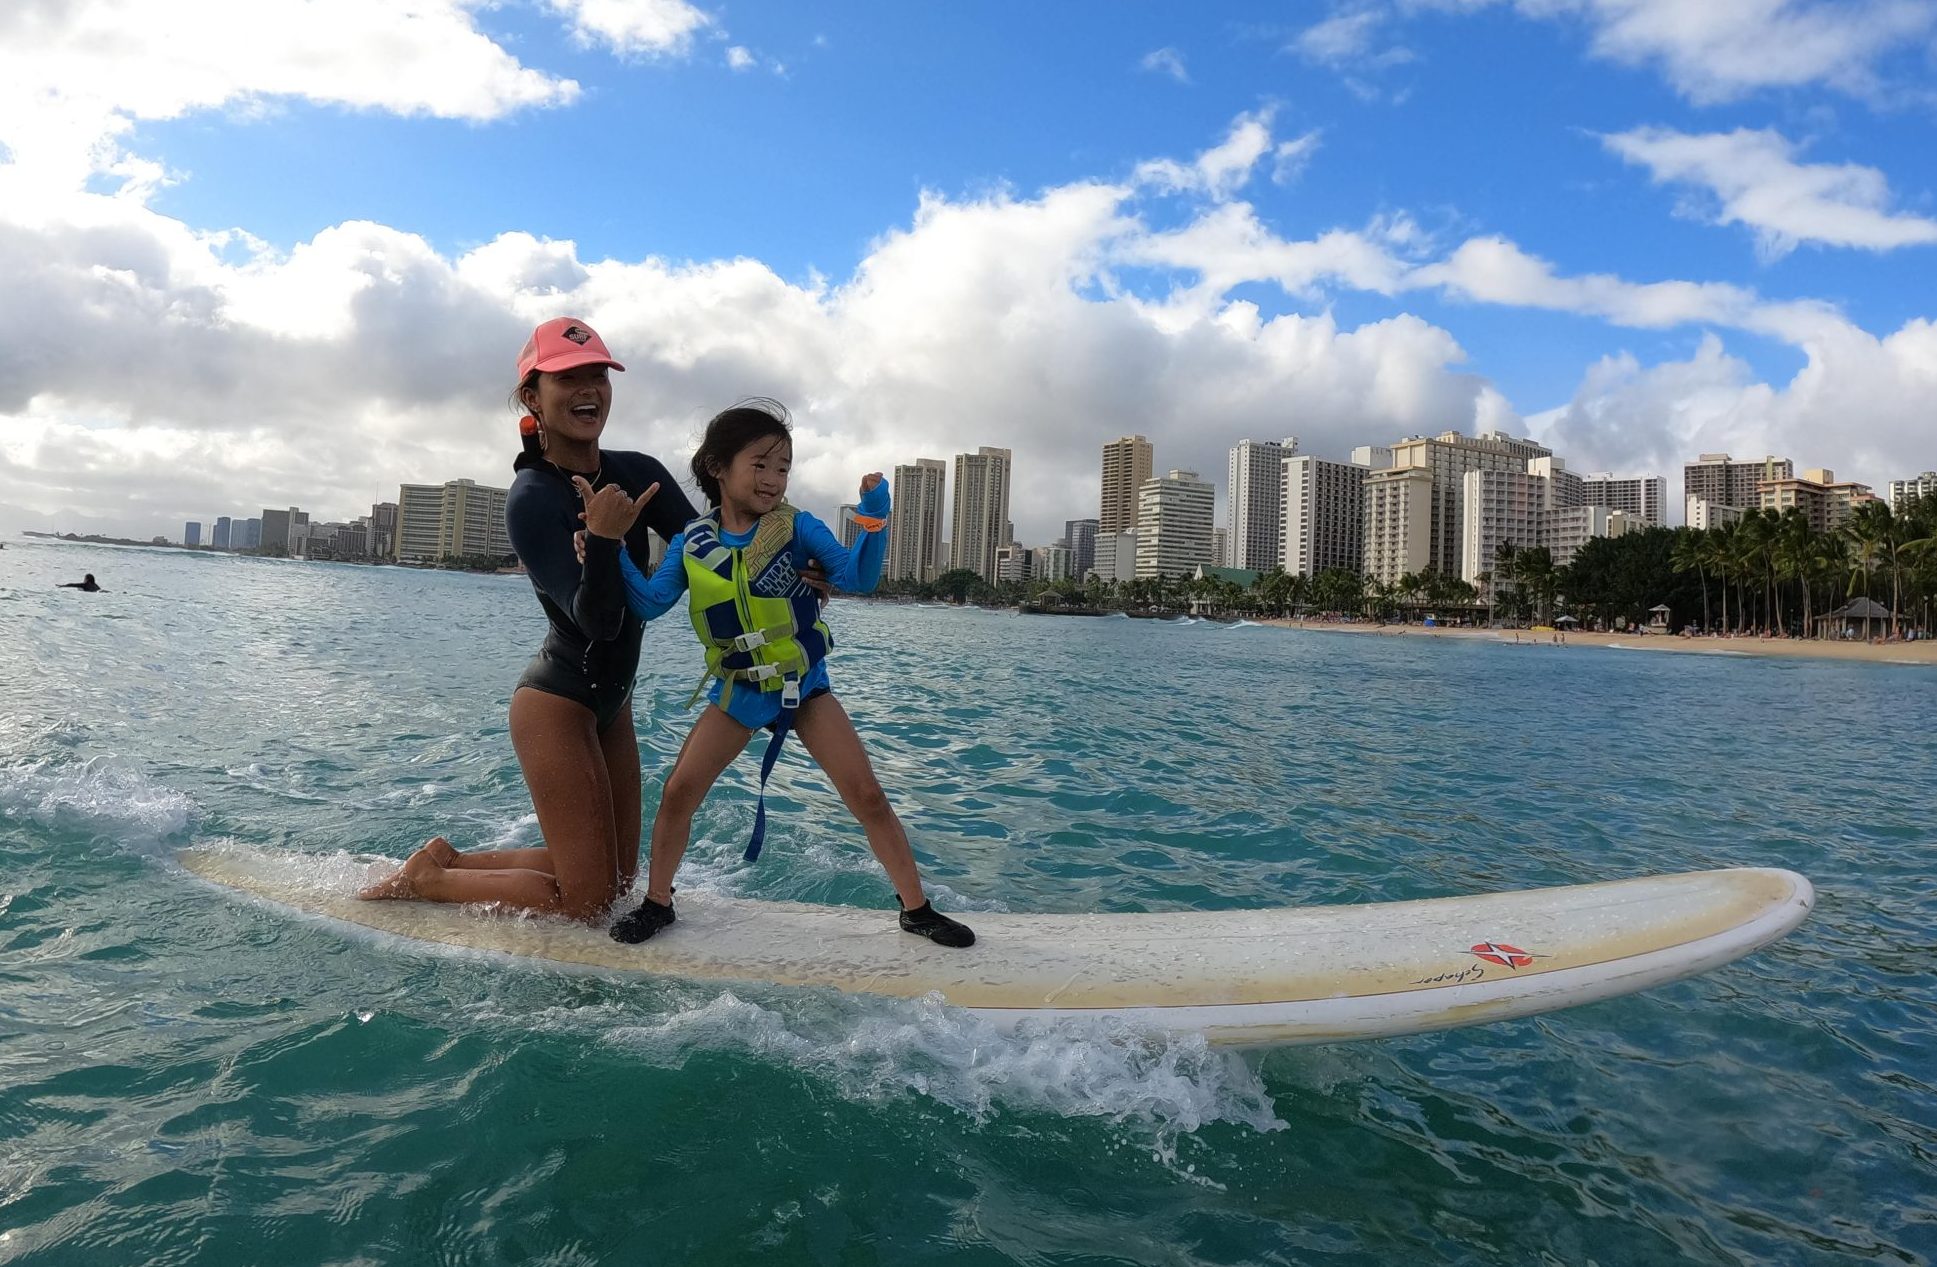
[(1319, 509)]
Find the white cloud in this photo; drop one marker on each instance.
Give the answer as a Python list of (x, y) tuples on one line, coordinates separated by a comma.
[(1720, 50), (74, 77), (1756, 182), (1166, 61), (325, 375), (639, 28), (1342, 39), (739, 57), (1627, 416), (1227, 167), (1494, 270)]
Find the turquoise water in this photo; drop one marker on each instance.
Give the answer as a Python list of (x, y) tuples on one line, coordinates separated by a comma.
[(186, 1078)]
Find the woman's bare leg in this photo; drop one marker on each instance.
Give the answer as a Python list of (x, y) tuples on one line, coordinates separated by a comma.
[(715, 741), (828, 732), (619, 744), (564, 768), (620, 747)]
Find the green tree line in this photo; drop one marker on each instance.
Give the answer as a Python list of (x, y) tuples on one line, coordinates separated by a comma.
[(1768, 572)]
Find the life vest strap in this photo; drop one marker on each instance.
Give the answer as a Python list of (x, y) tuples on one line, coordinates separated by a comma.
[(755, 638), (789, 709)]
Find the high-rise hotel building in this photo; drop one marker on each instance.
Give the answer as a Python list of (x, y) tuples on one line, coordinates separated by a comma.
[(1174, 517), (1080, 536), (1719, 480), (1257, 495), (450, 520), (981, 520), (1642, 498), (1825, 501), (1324, 515), (1393, 541), (1901, 491), (915, 527), (1126, 468), (1520, 508), (1398, 522)]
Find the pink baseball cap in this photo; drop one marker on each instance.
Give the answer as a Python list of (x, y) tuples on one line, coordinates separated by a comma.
[(564, 343)]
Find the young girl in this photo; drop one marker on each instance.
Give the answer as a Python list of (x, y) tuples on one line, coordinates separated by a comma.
[(765, 651)]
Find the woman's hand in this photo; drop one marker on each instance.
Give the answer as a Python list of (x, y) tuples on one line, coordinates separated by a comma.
[(814, 577), (610, 511), (868, 481)]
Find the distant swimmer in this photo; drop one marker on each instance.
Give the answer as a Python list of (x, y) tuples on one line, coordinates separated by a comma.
[(85, 583)]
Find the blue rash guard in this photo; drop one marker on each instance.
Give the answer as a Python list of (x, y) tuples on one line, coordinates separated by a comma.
[(857, 571)]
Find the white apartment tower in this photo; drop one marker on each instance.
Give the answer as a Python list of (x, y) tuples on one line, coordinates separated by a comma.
[(1257, 488), (1174, 518), (1640, 497), (1446, 458), (1324, 515), (981, 509), (450, 520), (1398, 522), (1901, 491), (1126, 468), (915, 527), (1722, 481)]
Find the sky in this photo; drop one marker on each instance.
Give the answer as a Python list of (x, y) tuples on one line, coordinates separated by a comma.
[(285, 253)]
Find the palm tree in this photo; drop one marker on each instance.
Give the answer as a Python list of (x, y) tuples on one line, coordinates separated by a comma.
[(1690, 555), (1540, 579), (1868, 531), (1749, 552), (1828, 557), (1790, 551), (1505, 554), (1718, 547)]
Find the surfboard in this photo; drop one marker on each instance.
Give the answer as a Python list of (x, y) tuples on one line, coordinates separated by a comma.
[(1301, 974)]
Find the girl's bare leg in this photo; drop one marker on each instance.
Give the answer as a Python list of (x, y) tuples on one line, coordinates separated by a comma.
[(828, 732), (715, 741), (564, 767)]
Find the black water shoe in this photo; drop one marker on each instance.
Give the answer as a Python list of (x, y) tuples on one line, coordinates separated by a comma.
[(642, 923), (926, 921)]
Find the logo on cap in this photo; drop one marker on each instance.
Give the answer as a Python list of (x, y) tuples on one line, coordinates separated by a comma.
[(577, 334)]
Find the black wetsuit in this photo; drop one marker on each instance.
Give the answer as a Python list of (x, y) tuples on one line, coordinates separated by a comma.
[(591, 651)]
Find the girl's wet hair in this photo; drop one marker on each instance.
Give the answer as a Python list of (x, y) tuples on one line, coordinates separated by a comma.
[(731, 430)]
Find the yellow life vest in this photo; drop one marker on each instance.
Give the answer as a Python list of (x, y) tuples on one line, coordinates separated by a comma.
[(759, 623)]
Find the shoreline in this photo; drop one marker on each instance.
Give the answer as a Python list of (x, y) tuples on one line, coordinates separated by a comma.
[(1923, 652)]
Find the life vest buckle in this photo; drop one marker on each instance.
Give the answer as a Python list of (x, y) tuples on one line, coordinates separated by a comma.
[(758, 672), (750, 640), (790, 693)]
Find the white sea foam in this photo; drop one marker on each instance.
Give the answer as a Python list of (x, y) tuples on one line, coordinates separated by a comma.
[(875, 1051), (100, 793)]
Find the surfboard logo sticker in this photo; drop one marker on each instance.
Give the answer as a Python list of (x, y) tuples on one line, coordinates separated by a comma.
[(1504, 955)]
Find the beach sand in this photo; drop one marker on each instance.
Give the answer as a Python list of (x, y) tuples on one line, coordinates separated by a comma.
[(1921, 652)]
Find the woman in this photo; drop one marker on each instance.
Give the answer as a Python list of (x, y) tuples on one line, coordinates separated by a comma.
[(571, 714)]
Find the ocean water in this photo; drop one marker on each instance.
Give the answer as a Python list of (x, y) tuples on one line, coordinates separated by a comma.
[(190, 1078)]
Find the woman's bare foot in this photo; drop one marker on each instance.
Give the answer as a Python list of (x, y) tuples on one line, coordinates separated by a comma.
[(395, 885), (402, 884)]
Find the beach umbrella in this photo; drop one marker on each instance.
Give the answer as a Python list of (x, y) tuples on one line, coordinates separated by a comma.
[(1565, 620)]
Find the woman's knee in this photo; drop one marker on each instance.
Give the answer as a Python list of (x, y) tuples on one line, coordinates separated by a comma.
[(586, 897)]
